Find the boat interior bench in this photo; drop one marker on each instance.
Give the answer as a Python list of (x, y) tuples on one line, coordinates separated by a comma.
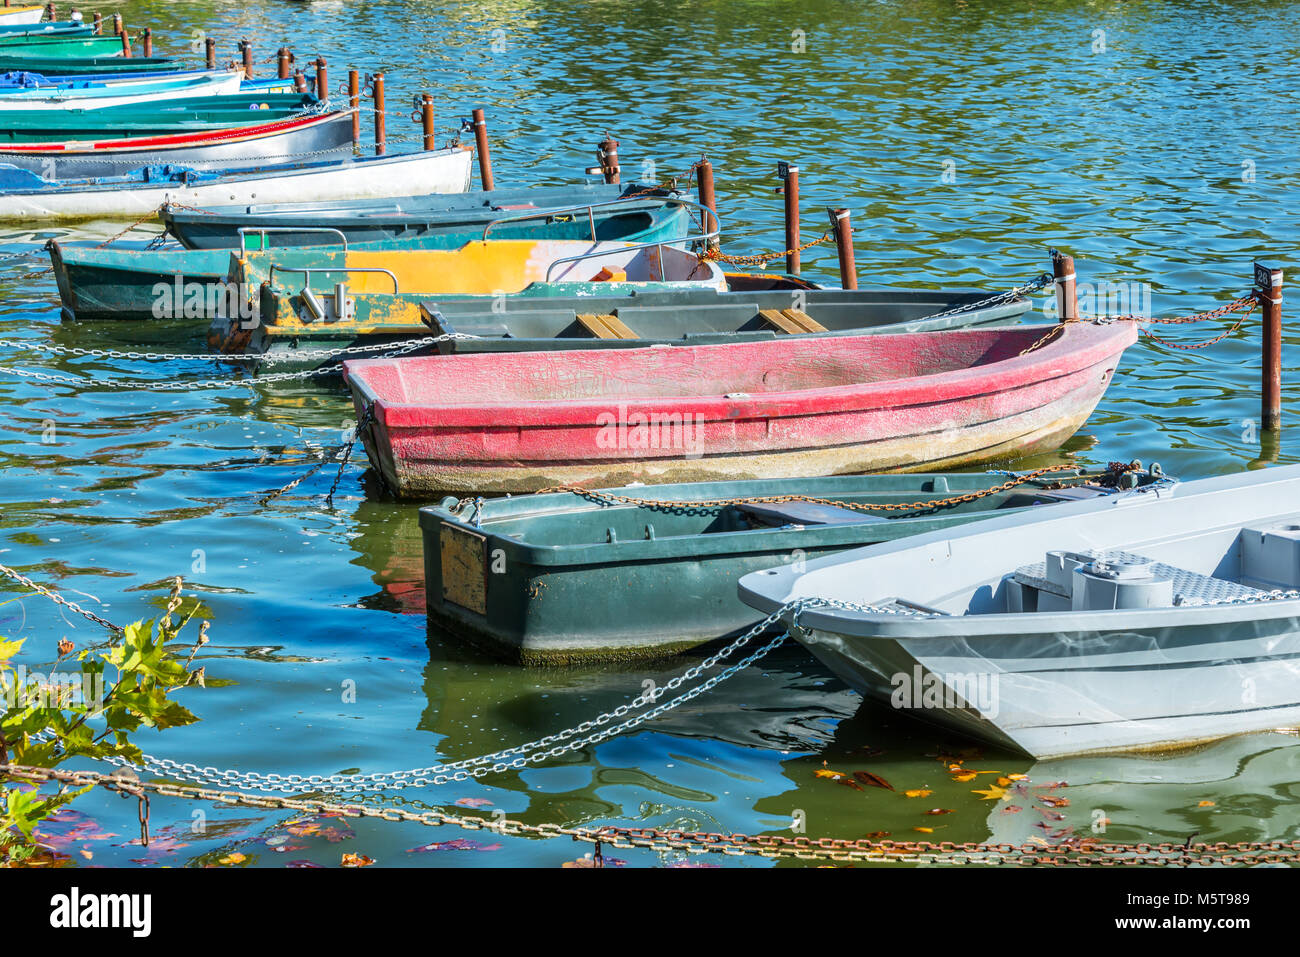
[(607, 326), (783, 514), (792, 321)]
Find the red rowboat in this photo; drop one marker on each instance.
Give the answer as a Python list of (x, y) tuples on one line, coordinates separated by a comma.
[(518, 422)]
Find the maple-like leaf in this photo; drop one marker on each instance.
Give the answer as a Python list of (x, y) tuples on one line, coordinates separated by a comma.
[(918, 793), (993, 793)]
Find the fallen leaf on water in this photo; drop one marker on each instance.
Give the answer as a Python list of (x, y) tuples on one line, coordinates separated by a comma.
[(875, 835), (873, 780), (827, 773), (964, 777), (924, 830), (994, 793), (86, 854), (356, 860), (1205, 804), (939, 810), (473, 802), (1012, 809), (235, 858), (1018, 777), (1004, 782), (918, 793), (1054, 801)]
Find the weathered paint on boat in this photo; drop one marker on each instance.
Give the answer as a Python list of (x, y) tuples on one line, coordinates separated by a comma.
[(98, 96), (497, 270), (1162, 621), (400, 217), (131, 120), (110, 283), (240, 147), (59, 46), (25, 196), (560, 579), (519, 422), (62, 28), (28, 14)]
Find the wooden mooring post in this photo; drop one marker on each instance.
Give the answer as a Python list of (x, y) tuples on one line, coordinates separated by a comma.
[(354, 101), (210, 53), (1067, 290), (49, 11), (284, 63), (246, 48), (322, 80), (299, 81), (117, 24), (148, 41), (1268, 288), (607, 157), (99, 23), (126, 44), (377, 94), (708, 197), (484, 153), (790, 189), (843, 227)]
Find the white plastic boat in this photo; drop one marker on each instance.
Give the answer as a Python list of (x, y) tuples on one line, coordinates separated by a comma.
[(1145, 621), (97, 95)]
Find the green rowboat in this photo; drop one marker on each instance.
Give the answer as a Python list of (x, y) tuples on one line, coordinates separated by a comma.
[(560, 578), (47, 65), (60, 47)]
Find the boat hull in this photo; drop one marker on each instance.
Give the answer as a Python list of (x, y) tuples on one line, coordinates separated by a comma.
[(446, 170), (1052, 695), (294, 140), (22, 15), (994, 410), (595, 589), (102, 97)]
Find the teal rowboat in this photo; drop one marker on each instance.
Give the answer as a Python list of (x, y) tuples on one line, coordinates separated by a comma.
[(123, 283), (85, 65), (558, 578), (60, 46)]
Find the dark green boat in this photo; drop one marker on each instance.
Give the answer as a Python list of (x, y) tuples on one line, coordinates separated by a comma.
[(60, 46), (188, 115), (78, 66), (560, 578)]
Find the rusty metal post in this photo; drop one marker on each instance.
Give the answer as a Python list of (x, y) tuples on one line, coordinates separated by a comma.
[(377, 94), (117, 24), (484, 152), (322, 80), (210, 52), (283, 70), (126, 44), (49, 11), (148, 41), (844, 243), (790, 187), (704, 172), (99, 23), (354, 101), (246, 48), (426, 119), (1067, 292), (1268, 288), (607, 156), (299, 81)]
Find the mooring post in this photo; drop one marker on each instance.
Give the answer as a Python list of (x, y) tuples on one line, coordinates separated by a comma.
[(607, 157), (426, 120), (322, 80), (247, 49), (126, 44), (844, 243), (377, 85), (117, 24), (790, 188), (148, 41), (1067, 292), (1268, 288), (354, 101), (49, 11), (99, 23), (704, 172), (299, 81), (210, 52), (283, 60), (484, 153)]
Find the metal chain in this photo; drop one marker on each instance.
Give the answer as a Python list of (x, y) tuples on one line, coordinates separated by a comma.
[(761, 259), (1247, 302), (1074, 852), (58, 599), (599, 497), (1011, 295)]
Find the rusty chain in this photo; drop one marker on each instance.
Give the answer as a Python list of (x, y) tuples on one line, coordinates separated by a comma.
[(1247, 302), (600, 497), (58, 599), (762, 259), (1075, 852)]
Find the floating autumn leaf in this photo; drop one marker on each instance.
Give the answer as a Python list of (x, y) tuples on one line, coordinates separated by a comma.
[(873, 780), (1054, 801), (1018, 777), (993, 793), (474, 802), (918, 793), (1012, 809), (87, 853), (356, 860), (65, 647), (1051, 815), (235, 858), (1004, 782), (964, 776), (1051, 786), (1205, 804), (924, 830), (827, 773), (939, 810), (876, 835)]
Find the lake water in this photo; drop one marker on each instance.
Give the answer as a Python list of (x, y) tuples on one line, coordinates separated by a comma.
[(965, 137)]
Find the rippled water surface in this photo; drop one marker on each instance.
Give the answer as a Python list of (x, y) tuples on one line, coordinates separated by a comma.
[(1156, 141)]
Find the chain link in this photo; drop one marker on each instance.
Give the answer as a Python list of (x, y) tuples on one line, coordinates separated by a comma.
[(58, 599), (1247, 302)]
